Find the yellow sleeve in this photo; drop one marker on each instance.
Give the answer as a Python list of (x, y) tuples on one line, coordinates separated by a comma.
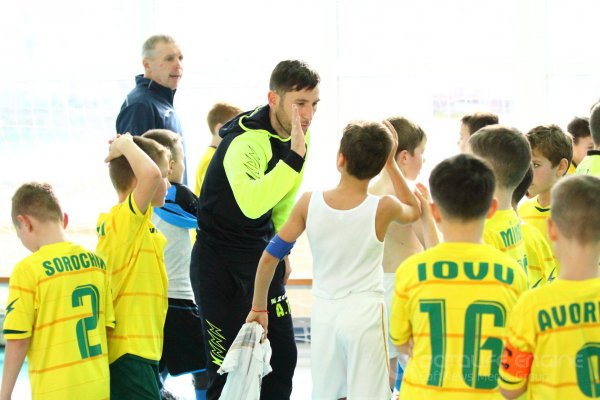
[(400, 325), (519, 346), (21, 305), (202, 167)]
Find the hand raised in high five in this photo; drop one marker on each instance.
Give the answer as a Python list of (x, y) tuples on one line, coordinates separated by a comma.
[(394, 136), (297, 134)]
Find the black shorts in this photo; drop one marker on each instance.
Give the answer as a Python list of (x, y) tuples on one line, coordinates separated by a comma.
[(183, 348)]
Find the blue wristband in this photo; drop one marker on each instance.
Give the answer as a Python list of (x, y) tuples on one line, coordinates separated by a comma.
[(278, 247)]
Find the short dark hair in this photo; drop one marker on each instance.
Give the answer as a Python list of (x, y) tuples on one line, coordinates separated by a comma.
[(551, 142), (410, 135), (506, 150), (579, 127), (167, 138), (478, 120), (595, 124), (293, 76), (575, 203), (462, 187), (521, 189), (221, 113), (36, 200), (120, 171), (366, 146)]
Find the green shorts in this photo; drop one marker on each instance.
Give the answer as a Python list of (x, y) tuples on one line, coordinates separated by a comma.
[(133, 378)]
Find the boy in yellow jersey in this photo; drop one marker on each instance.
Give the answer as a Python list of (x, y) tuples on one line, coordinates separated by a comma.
[(541, 264), (590, 165), (451, 301), (508, 153), (134, 250), (218, 115), (553, 336), (59, 306), (552, 151)]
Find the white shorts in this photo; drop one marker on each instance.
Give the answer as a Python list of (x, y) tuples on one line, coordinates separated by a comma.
[(389, 278), (349, 348)]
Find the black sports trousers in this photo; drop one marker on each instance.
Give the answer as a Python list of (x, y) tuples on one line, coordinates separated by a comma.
[(224, 291)]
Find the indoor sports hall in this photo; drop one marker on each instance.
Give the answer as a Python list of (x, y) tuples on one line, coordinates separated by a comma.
[(69, 64)]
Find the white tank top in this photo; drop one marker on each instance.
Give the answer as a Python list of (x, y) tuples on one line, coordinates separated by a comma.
[(346, 253)]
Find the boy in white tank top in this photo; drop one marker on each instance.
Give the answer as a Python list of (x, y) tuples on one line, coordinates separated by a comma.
[(346, 227)]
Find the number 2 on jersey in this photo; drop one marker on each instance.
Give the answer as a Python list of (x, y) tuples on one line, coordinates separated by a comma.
[(473, 343), (84, 325)]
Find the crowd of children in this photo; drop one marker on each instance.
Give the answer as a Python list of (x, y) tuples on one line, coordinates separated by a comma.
[(458, 289)]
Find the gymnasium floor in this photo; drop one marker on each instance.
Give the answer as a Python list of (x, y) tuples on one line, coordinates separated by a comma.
[(181, 386)]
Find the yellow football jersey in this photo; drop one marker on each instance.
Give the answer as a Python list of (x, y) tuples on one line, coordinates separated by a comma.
[(59, 297), (453, 300), (553, 342), (542, 267), (134, 252), (503, 231), (202, 167), (533, 213), (572, 168)]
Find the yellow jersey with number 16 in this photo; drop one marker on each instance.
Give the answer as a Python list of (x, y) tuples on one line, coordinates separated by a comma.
[(453, 300)]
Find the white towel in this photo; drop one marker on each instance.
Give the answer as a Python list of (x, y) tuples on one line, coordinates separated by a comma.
[(246, 363)]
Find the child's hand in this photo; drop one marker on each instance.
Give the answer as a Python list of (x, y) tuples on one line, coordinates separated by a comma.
[(424, 198), (392, 156), (113, 146), (262, 317)]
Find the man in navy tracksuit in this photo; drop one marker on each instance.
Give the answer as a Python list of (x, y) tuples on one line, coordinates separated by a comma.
[(248, 193), (150, 104)]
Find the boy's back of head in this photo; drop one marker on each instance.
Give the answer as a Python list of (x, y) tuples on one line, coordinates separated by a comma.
[(478, 120), (595, 124), (462, 187), (506, 150), (168, 139), (366, 147), (521, 189), (576, 207), (36, 200), (551, 142), (579, 127), (219, 114), (410, 135), (120, 171)]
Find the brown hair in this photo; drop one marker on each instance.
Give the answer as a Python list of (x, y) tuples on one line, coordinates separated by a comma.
[(410, 135), (36, 200), (551, 142), (478, 120), (221, 113), (366, 146), (167, 138), (576, 207), (119, 169), (579, 127), (506, 150)]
